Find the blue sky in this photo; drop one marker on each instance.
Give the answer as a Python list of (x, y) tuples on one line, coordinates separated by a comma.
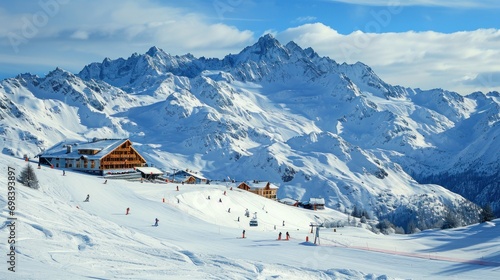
[(416, 43), (347, 16)]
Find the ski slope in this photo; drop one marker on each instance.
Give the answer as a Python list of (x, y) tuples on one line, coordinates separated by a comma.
[(58, 236)]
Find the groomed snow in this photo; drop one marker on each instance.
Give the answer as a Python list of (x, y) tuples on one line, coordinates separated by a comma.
[(58, 236)]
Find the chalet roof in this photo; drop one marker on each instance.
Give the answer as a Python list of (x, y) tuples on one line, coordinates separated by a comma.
[(188, 173), (104, 146), (149, 170), (288, 201), (317, 201), (259, 185)]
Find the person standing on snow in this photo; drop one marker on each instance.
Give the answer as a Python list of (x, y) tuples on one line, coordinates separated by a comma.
[(156, 222), (87, 199), (128, 209)]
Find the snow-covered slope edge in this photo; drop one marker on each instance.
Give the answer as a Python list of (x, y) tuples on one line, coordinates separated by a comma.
[(60, 236)]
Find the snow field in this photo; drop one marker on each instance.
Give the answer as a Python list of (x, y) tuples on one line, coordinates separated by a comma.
[(60, 237)]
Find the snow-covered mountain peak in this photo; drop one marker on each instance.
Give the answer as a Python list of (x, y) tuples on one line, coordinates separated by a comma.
[(60, 73), (267, 48), (272, 112), (267, 42), (154, 50)]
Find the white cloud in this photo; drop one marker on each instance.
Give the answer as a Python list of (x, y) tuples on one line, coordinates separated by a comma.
[(80, 34), (109, 29), (428, 3), (415, 59), (305, 19)]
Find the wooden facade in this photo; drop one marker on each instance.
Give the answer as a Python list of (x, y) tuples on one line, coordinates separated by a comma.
[(123, 157), (188, 177), (266, 190), (244, 186), (100, 156), (190, 180)]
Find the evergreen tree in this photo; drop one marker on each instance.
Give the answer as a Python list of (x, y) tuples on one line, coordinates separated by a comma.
[(487, 213), (385, 226), (28, 177), (411, 227), (363, 220), (355, 212), (451, 220)]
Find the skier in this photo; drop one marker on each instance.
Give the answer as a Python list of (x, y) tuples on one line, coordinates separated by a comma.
[(87, 199), (128, 209), (64, 173), (287, 236), (224, 192), (177, 188), (238, 218), (208, 197), (229, 210), (156, 222), (279, 236), (283, 223), (243, 236), (220, 199), (106, 181)]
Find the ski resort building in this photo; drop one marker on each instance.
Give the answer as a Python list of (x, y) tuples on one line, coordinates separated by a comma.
[(149, 173), (99, 156), (188, 177), (315, 203), (265, 189), (289, 202)]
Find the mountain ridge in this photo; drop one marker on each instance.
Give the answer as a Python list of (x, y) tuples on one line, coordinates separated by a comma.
[(271, 112)]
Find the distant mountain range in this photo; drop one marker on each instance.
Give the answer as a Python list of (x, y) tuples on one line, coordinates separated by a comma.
[(279, 113)]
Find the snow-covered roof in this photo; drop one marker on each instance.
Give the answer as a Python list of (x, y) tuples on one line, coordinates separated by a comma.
[(103, 146), (189, 173), (287, 201), (316, 201), (149, 170), (258, 184)]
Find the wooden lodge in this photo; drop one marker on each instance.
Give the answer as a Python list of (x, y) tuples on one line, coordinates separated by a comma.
[(315, 204), (265, 189), (99, 156), (188, 177)]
